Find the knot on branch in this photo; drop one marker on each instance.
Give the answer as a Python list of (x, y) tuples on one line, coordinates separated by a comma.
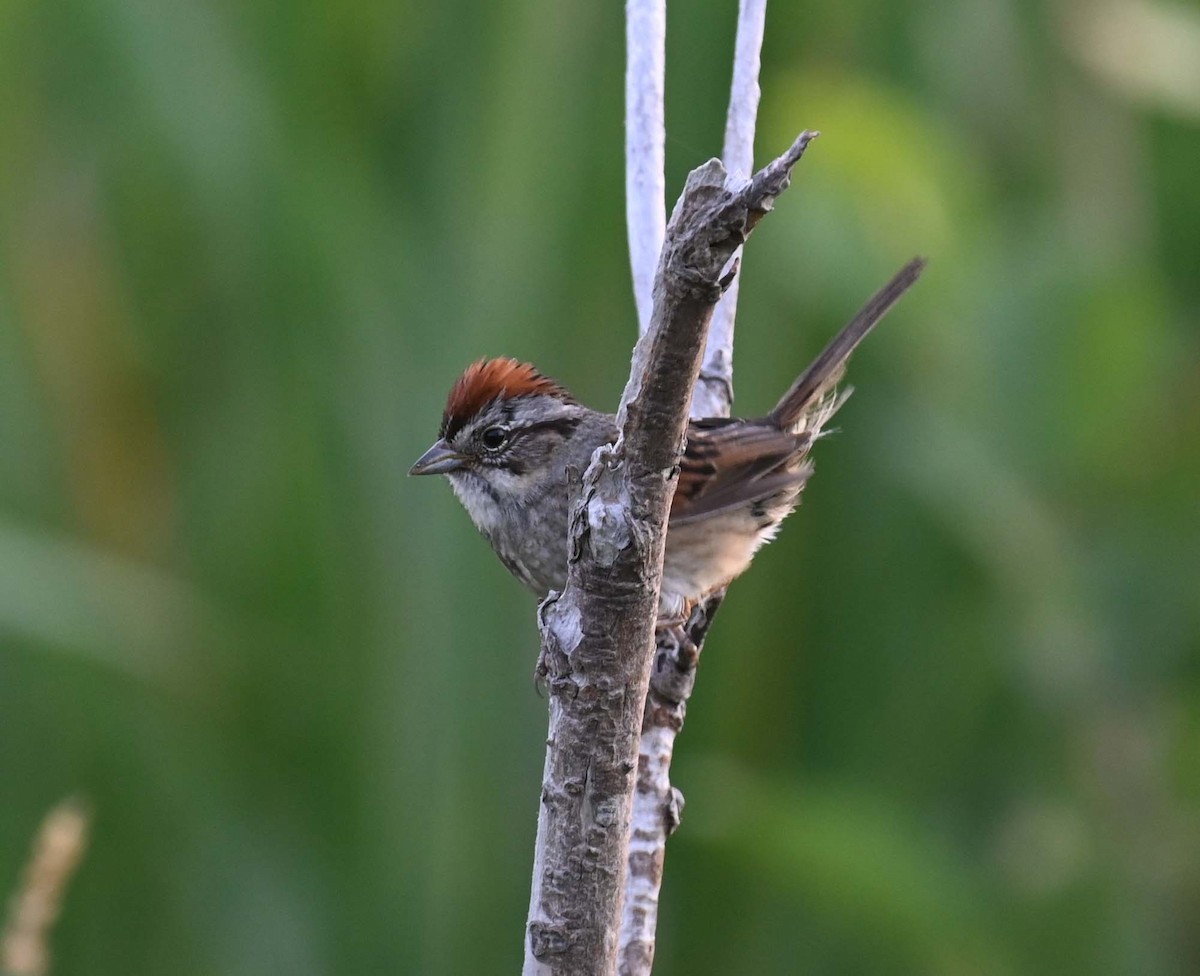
[(600, 508), (714, 217), (609, 531), (673, 812), (690, 282), (548, 939), (561, 628)]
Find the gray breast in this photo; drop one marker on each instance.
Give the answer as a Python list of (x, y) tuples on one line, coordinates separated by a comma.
[(530, 537)]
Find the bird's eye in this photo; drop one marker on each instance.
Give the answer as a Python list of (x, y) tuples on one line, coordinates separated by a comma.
[(494, 438)]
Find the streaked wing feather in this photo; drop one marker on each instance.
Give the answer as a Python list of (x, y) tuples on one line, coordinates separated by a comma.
[(759, 490), (756, 461)]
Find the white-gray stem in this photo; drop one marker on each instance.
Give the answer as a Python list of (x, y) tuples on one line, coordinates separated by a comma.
[(714, 391), (645, 136), (657, 804)]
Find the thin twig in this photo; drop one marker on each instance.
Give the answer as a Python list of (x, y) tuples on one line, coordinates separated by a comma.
[(60, 844), (714, 391), (598, 635), (645, 135)]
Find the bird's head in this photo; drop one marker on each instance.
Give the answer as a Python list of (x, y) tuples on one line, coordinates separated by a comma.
[(503, 426)]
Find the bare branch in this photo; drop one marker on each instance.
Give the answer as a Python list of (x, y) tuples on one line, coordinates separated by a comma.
[(598, 635), (714, 391), (744, 92), (645, 134)]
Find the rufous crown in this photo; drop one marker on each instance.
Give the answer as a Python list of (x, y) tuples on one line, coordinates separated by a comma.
[(486, 380)]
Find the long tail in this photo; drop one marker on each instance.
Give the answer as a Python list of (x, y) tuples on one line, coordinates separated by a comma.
[(828, 367)]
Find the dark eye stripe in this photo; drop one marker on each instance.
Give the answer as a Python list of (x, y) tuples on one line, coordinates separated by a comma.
[(562, 425), (498, 448)]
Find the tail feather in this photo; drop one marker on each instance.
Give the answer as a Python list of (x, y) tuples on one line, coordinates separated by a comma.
[(815, 382)]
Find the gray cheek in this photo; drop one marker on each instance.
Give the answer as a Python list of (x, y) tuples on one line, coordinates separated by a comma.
[(530, 454), (510, 484)]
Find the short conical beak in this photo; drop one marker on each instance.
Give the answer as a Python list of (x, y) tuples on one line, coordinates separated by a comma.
[(439, 459)]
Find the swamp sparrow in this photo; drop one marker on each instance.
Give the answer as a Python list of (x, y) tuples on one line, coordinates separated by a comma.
[(509, 434)]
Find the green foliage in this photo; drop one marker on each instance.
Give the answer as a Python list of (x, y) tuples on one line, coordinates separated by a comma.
[(947, 723)]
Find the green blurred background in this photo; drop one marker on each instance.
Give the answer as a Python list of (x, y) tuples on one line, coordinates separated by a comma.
[(949, 724)]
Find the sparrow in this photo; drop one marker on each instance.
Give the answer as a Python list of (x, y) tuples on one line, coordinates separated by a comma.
[(509, 434)]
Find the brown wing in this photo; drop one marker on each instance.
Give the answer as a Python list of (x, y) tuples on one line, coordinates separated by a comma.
[(725, 466)]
